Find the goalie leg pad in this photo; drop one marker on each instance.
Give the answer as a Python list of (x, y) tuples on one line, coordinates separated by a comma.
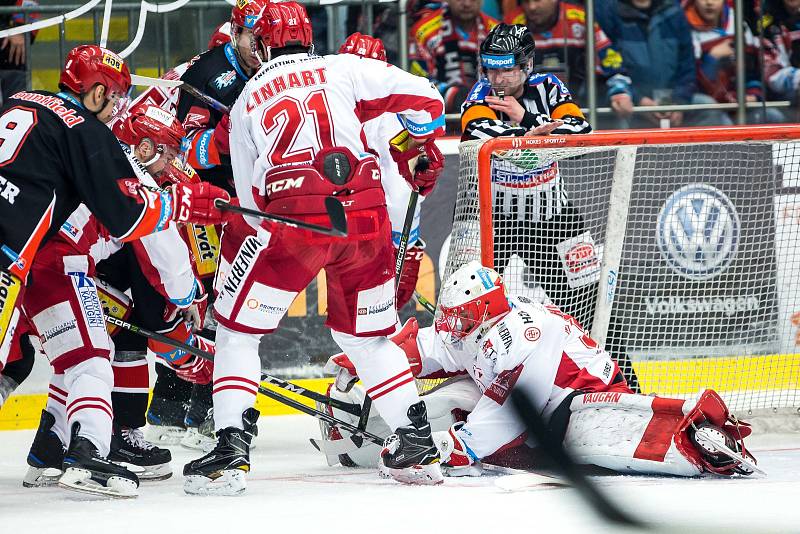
[(633, 433)]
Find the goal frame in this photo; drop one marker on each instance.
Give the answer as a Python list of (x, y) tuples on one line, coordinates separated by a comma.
[(627, 141)]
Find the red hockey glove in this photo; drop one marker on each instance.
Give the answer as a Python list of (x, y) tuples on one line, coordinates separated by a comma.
[(222, 134), (420, 173), (410, 274), (197, 370), (195, 203)]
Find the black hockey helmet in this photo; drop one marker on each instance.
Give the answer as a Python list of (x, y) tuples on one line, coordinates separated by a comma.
[(508, 45)]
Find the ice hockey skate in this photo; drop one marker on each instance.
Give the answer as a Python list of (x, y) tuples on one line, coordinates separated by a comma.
[(409, 455), (165, 421), (131, 450), (86, 471), (46, 455), (722, 450), (222, 471), (200, 420)]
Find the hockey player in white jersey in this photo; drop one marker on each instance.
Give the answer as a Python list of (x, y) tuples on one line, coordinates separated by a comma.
[(502, 343), (63, 309), (379, 133), (296, 138)]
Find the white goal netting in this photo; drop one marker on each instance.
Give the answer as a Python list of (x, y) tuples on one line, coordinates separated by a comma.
[(695, 261)]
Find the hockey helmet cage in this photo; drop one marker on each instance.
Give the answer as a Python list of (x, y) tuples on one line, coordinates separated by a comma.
[(508, 45), (89, 65), (221, 36), (245, 13), (472, 297), (284, 24), (364, 46)]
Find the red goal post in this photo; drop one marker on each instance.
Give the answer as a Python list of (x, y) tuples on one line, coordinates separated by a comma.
[(686, 265)]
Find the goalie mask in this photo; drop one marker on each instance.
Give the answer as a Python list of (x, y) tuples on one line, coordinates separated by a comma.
[(471, 298), (507, 56)]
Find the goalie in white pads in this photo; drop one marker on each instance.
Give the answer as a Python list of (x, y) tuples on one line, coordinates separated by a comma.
[(503, 342)]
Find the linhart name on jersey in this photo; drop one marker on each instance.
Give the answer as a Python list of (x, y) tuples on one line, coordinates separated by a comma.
[(282, 82), (53, 103)]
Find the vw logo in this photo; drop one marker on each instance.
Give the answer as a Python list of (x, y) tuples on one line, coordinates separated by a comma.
[(698, 231)]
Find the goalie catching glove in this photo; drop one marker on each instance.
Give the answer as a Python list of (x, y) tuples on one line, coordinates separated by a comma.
[(456, 458), (346, 375), (421, 173)]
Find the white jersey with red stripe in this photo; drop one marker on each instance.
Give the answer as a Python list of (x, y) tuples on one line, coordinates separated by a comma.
[(324, 102), (163, 256), (534, 347)]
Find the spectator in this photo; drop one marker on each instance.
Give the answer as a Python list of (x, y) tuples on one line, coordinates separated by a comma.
[(13, 49), (559, 29), (713, 32), (781, 22), (655, 41), (444, 47)]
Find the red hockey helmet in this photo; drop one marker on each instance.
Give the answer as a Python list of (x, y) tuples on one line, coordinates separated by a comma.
[(89, 65), (246, 13), (284, 24), (472, 297), (364, 46), (151, 122), (221, 36)]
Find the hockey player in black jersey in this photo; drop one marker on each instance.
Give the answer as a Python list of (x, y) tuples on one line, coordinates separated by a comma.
[(220, 73), (535, 219), (56, 152)]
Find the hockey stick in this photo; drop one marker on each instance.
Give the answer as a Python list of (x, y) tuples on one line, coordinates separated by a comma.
[(183, 86), (349, 407), (333, 207), (554, 448)]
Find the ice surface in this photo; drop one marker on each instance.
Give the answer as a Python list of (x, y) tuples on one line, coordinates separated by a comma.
[(292, 487)]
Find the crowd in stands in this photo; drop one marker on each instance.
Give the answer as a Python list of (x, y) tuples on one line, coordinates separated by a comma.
[(647, 52)]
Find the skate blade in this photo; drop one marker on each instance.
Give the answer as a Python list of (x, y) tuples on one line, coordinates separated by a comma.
[(148, 473), (81, 480), (231, 482), (164, 435), (197, 441), (41, 477), (417, 475)]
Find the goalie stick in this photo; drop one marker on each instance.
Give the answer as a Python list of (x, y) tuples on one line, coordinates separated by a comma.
[(349, 407), (333, 207)]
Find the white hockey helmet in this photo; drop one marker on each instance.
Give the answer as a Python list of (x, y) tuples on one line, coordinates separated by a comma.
[(472, 297)]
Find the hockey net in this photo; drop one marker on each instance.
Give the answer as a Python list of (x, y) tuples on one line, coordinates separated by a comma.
[(678, 249)]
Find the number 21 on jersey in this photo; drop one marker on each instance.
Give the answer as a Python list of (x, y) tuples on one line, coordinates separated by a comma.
[(286, 120)]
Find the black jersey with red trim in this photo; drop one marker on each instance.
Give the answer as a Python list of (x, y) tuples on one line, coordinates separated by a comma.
[(55, 155), (216, 73)]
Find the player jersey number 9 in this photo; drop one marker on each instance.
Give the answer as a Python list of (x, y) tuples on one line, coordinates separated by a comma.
[(287, 116), (15, 125)]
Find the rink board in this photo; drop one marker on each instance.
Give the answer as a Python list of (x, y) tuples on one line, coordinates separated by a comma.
[(779, 371)]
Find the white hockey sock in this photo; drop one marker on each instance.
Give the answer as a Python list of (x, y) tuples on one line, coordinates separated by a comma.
[(237, 372), (57, 405), (385, 373), (89, 401)]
